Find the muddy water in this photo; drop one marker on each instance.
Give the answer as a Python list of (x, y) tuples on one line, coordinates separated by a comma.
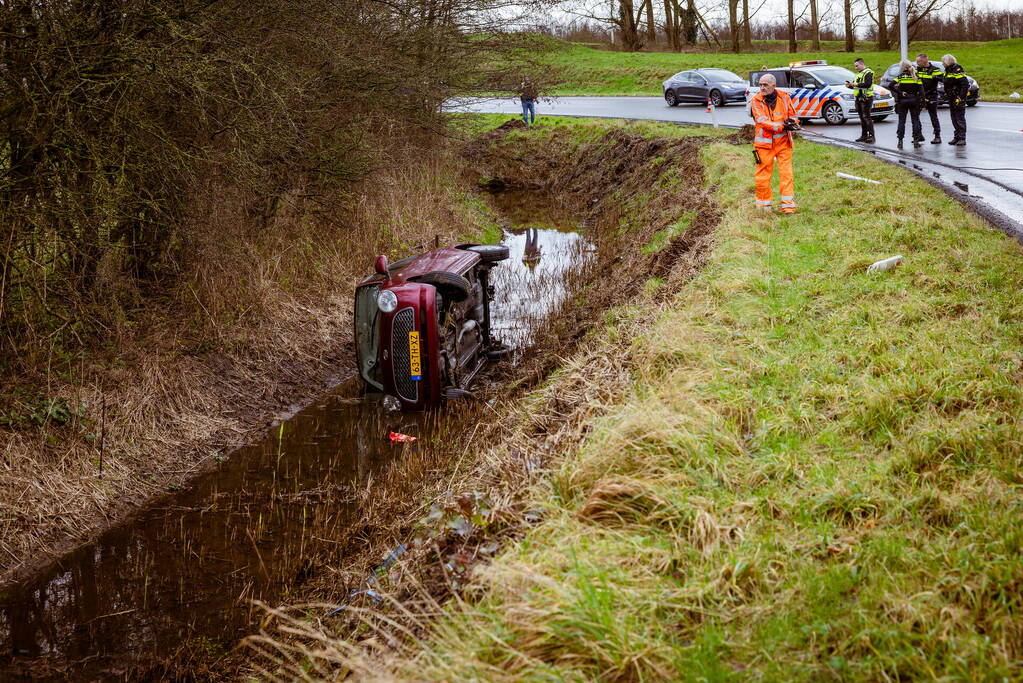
[(175, 582)]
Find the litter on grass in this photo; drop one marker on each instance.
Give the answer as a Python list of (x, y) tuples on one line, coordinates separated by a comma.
[(885, 264), (856, 177), (1014, 96)]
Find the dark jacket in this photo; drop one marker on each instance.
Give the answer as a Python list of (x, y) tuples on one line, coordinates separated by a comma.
[(929, 75), (527, 93), (956, 84), (907, 88)]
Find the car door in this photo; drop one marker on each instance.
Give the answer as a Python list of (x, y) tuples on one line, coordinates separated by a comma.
[(696, 88), (675, 83)]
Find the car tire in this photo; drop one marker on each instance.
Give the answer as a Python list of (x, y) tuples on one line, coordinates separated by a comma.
[(971, 104), (878, 119), (490, 253), (671, 98), (716, 99), (451, 285), (832, 114)]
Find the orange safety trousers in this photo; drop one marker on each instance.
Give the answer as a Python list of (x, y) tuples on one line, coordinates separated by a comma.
[(782, 154)]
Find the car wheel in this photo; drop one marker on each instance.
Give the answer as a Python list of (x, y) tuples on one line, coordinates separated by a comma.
[(716, 99), (878, 119), (671, 98), (832, 113), (490, 253), (451, 285), (971, 104)]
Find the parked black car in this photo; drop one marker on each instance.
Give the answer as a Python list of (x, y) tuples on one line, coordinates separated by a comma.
[(720, 86), (972, 96)]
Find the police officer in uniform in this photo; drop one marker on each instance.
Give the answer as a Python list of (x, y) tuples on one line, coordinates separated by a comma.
[(863, 88), (908, 96), (929, 76), (956, 89)]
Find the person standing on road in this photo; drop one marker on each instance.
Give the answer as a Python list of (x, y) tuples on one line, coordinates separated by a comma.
[(774, 118), (908, 95), (863, 89), (929, 76), (956, 89), (528, 96)]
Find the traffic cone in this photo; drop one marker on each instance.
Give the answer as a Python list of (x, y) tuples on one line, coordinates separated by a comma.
[(712, 110)]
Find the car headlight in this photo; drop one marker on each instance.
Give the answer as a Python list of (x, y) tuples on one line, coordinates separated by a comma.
[(387, 301), (848, 96)]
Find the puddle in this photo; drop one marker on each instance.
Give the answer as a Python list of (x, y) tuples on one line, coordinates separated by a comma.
[(178, 576)]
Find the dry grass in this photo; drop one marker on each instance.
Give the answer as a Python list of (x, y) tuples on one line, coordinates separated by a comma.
[(780, 470), (249, 335)]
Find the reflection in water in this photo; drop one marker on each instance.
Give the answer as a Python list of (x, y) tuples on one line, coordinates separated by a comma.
[(181, 573)]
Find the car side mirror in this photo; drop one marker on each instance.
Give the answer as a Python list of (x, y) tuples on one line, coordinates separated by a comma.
[(381, 264)]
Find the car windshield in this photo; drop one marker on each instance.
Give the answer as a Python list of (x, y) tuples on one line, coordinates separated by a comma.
[(834, 75), (721, 75)]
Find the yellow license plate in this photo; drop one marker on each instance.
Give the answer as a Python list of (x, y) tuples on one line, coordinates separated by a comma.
[(883, 105), (415, 362)]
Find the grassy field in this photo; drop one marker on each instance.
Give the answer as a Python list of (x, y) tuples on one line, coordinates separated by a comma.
[(812, 473), (997, 66)]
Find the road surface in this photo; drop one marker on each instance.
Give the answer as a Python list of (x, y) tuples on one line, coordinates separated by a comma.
[(987, 173)]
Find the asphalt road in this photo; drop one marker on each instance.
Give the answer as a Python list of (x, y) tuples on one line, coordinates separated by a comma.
[(987, 173)]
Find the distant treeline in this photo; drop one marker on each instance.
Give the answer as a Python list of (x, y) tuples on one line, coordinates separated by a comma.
[(734, 24), (127, 123)]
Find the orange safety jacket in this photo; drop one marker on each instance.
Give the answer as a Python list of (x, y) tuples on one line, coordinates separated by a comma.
[(770, 123)]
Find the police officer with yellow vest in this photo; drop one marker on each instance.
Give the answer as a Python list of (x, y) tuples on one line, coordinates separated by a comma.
[(908, 91), (957, 86), (863, 89), (929, 76)]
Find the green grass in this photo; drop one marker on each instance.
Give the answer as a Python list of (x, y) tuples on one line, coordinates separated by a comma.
[(816, 473), (997, 66)]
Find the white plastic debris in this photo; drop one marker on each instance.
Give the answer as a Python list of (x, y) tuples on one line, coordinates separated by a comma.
[(856, 177), (1014, 96), (885, 264)]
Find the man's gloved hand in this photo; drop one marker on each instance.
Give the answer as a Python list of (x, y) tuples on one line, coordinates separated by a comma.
[(791, 124)]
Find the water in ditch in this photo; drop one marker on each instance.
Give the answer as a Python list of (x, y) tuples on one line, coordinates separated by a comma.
[(176, 580)]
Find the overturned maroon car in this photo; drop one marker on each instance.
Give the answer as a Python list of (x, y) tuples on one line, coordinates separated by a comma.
[(422, 324)]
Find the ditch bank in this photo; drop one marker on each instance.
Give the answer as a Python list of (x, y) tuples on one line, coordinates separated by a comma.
[(430, 524)]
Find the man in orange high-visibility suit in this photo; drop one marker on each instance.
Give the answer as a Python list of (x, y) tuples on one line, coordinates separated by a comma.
[(774, 116)]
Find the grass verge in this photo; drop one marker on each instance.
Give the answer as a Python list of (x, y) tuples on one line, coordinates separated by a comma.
[(806, 472), (587, 71)]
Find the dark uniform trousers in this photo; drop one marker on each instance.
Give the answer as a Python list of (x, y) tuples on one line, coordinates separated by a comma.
[(911, 106), (958, 120), (932, 110), (863, 107)]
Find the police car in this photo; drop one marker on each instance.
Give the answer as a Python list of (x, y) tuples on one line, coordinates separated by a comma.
[(818, 92)]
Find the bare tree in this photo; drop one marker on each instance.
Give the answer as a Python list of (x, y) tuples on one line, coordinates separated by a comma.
[(850, 28)]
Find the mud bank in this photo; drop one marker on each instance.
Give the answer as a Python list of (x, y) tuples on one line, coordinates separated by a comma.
[(643, 204)]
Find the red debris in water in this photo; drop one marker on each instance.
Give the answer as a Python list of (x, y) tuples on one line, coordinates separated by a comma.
[(397, 437)]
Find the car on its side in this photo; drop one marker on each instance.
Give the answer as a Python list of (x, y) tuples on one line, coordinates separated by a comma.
[(422, 324), (719, 86), (819, 92), (972, 97)]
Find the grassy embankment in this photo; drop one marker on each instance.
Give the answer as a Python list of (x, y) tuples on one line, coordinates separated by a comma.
[(997, 66), (812, 472)]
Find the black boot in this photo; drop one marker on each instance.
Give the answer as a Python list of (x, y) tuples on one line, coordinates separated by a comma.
[(960, 143), (917, 143), (900, 143), (869, 140), (861, 138), (954, 141), (936, 140)]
